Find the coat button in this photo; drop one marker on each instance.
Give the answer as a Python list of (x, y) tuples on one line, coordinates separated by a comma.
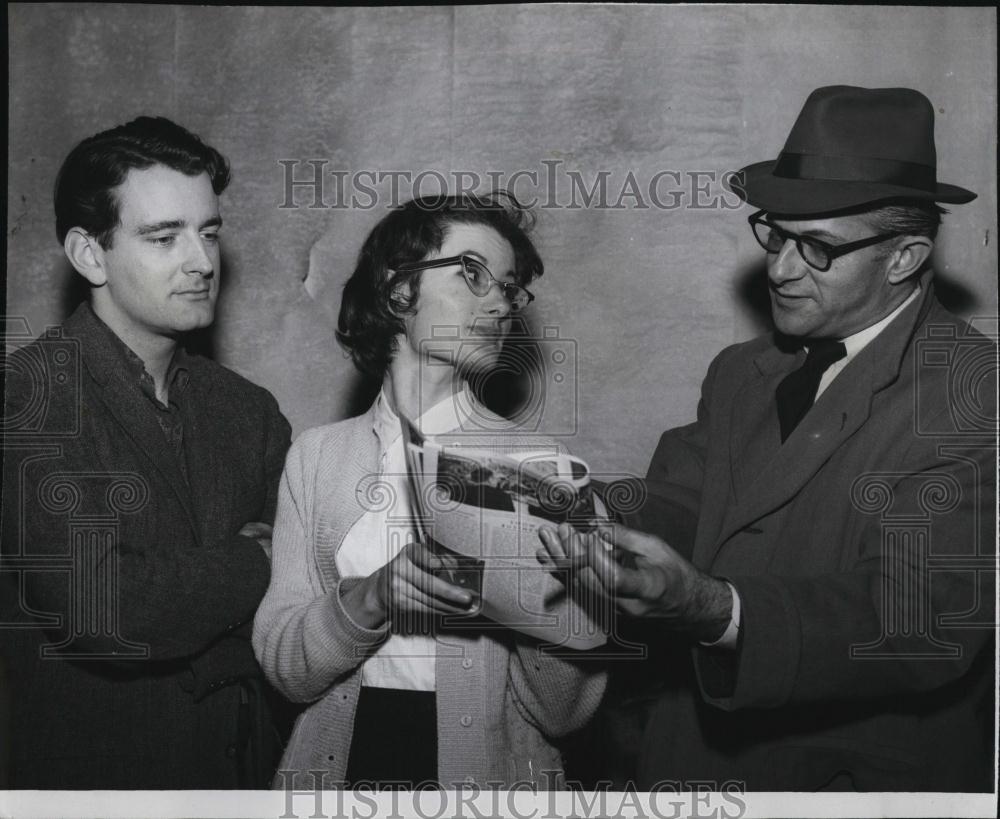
[(466, 663), (231, 751), (466, 721)]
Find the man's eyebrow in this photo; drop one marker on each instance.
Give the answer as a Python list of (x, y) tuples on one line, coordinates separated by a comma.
[(154, 227), (816, 233), (823, 234), (175, 224)]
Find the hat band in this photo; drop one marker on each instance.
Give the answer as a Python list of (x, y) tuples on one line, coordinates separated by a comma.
[(856, 169)]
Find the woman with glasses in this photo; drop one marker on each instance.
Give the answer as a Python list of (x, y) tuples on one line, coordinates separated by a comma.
[(351, 622)]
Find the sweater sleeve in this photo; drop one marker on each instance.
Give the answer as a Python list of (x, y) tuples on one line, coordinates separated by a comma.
[(303, 637), (559, 692)]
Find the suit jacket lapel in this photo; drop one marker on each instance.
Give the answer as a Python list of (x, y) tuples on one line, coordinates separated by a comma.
[(125, 402), (754, 435), (767, 473), (208, 453), (837, 415)]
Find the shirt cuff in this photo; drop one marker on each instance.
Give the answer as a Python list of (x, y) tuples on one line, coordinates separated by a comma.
[(731, 635)]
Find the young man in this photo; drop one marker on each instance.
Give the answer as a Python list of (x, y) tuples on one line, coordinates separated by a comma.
[(838, 596), (139, 487)]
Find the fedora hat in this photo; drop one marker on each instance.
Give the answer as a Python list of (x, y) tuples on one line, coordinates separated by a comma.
[(852, 147)]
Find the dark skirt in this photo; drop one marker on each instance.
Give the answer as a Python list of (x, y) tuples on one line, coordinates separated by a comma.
[(395, 740)]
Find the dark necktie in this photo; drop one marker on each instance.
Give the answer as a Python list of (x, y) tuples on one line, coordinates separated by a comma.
[(797, 390)]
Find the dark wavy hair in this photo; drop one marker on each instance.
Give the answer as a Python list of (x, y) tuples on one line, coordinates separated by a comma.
[(85, 187), (372, 315)]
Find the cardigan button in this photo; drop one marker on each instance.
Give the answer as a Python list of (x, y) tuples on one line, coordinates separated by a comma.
[(466, 721), (466, 663)]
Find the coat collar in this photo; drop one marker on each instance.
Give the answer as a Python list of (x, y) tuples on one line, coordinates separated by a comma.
[(105, 354), (765, 473), (123, 398), (887, 350)]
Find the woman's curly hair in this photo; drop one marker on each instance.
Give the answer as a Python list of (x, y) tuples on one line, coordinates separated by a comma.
[(373, 313)]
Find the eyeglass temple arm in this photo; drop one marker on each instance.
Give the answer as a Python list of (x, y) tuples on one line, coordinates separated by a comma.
[(412, 266), (409, 266), (840, 250)]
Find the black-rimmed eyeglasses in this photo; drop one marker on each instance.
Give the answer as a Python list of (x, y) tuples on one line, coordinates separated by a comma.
[(815, 253), (478, 277)]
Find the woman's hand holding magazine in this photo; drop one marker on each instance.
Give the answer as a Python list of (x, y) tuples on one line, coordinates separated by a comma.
[(408, 584)]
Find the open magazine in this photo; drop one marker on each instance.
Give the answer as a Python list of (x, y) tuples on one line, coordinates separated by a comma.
[(480, 511)]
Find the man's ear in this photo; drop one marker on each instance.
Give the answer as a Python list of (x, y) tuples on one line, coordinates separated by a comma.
[(86, 255), (908, 258)]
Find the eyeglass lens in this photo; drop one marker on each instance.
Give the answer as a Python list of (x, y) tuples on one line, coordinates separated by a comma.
[(480, 280), (772, 239)]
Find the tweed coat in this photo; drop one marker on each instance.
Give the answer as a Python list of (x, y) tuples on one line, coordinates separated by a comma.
[(862, 550), (131, 590)]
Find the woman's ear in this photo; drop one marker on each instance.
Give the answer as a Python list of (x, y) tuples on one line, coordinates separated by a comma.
[(86, 255), (400, 300)]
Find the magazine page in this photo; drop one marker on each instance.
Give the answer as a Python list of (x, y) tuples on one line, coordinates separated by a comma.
[(486, 508)]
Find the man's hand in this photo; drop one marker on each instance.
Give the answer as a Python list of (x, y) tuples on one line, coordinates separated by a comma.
[(642, 575), (261, 532)]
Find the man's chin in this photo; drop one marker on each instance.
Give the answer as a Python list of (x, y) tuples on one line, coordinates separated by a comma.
[(792, 324), (195, 321)]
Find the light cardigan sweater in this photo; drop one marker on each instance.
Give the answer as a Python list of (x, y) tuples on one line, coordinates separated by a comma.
[(498, 696)]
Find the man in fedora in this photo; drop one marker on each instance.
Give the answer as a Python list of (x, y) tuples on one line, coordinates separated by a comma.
[(829, 626)]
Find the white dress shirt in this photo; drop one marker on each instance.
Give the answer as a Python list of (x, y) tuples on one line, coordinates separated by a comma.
[(856, 343)]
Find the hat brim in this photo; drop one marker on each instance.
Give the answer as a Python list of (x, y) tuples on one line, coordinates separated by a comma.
[(757, 185)]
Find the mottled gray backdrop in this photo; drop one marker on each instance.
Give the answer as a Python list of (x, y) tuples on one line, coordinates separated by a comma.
[(639, 298)]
